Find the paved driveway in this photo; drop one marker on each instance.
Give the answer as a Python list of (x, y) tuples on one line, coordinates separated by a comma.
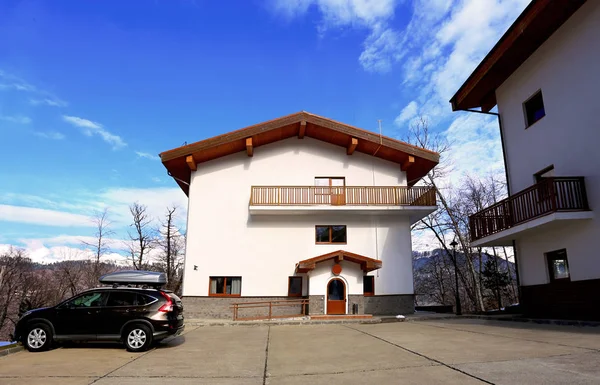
[(424, 352)]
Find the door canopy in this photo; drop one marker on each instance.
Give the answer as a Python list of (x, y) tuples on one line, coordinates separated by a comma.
[(366, 264)]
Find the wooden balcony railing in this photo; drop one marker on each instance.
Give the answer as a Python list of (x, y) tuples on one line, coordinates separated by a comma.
[(346, 195), (549, 196)]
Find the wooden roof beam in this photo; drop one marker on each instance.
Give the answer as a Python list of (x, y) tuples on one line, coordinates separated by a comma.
[(352, 146), (407, 163), (191, 163), (249, 147), (302, 130)]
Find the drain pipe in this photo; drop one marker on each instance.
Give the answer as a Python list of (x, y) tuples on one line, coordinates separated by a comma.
[(514, 244)]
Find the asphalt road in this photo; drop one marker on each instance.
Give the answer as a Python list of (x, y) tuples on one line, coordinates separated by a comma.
[(423, 352)]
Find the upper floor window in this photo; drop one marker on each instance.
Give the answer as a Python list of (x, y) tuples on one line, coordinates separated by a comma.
[(558, 265), (330, 234), (534, 108)]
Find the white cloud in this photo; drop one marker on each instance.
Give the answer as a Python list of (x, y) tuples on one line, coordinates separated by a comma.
[(16, 119), (373, 15), (49, 102), (409, 112), (41, 252), (147, 155), (91, 128), (10, 81), (50, 135), (38, 216)]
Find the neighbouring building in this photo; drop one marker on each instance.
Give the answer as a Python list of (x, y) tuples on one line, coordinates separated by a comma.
[(543, 75), (301, 207)]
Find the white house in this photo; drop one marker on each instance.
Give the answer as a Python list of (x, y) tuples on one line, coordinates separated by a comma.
[(301, 207), (544, 77)]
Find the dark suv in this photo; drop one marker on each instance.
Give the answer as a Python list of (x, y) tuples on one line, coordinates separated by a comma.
[(135, 316)]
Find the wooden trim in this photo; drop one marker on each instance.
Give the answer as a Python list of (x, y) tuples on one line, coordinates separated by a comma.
[(352, 146), (331, 235), (224, 286), (407, 163), (372, 293), (302, 129), (249, 148), (191, 162), (290, 285), (367, 264)]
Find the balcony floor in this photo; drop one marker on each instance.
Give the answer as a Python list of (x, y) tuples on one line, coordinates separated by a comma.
[(505, 237), (414, 212)]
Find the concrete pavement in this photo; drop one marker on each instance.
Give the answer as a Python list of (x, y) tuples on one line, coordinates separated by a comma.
[(461, 351)]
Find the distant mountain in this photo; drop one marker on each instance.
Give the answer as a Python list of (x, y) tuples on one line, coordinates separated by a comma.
[(423, 259)]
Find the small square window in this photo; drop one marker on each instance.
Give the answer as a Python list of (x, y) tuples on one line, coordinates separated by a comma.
[(558, 265), (330, 234), (294, 286), (534, 108), (368, 285)]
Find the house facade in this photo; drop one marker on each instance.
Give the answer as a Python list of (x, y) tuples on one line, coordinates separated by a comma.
[(301, 207), (543, 77)]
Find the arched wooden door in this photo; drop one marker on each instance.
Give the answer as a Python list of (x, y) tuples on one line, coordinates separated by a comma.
[(336, 297)]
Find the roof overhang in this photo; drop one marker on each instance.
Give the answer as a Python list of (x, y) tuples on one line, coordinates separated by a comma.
[(532, 28), (416, 161), (366, 264)]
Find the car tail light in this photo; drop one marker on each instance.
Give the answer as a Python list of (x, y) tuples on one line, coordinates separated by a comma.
[(168, 306)]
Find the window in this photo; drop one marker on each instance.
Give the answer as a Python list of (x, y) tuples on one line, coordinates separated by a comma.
[(545, 190), (330, 234), (534, 108), (558, 265), (294, 286), (368, 285), (121, 298), (225, 286), (87, 300), (329, 182)]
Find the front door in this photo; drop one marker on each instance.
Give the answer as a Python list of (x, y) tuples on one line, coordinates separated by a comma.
[(336, 297)]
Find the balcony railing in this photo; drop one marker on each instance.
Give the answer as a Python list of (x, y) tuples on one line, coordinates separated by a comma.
[(338, 196), (546, 197)]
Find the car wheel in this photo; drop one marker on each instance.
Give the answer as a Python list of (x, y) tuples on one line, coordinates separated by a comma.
[(138, 338), (38, 338)]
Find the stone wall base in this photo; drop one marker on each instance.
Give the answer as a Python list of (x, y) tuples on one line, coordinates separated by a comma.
[(392, 304), (220, 307)]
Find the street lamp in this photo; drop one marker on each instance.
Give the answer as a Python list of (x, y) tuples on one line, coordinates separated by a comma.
[(458, 307)]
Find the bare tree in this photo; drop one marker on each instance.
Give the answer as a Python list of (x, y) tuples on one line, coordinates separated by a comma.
[(142, 238), (100, 246), (172, 245)]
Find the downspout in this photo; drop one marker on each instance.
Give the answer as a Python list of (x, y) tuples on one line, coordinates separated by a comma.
[(373, 171), (514, 244)]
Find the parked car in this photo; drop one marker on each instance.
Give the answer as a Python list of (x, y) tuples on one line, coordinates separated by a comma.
[(136, 316)]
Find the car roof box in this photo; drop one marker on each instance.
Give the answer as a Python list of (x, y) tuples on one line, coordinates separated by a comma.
[(135, 277)]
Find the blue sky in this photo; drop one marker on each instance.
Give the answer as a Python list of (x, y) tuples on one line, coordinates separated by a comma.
[(92, 91)]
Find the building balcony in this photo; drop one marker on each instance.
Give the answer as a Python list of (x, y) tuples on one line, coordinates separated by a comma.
[(548, 203), (416, 202)]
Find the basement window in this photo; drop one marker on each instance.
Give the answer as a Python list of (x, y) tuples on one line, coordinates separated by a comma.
[(534, 109)]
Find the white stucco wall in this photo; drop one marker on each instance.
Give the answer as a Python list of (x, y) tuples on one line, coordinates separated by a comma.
[(565, 68), (225, 240)]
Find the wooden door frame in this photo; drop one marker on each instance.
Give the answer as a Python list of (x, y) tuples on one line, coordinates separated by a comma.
[(345, 294)]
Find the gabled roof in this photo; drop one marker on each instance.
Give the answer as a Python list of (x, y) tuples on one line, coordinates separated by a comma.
[(415, 160), (366, 263), (532, 28)]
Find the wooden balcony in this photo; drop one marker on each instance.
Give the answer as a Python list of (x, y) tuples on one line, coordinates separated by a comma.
[(342, 196), (552, 195)]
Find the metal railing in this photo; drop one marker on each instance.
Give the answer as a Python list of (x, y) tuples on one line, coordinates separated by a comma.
[(342, 195), (269, 309), (546, 197)]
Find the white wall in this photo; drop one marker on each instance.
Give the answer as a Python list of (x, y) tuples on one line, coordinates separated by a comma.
[(224, 240), (566, 69)]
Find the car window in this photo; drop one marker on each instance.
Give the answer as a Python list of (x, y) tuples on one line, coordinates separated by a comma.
[(122, 298), (145, 299), (87, 300)]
